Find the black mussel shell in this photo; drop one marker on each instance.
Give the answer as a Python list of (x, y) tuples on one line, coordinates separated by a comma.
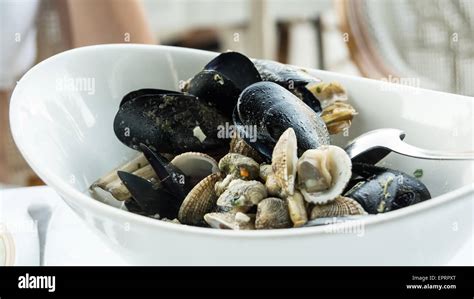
[(282, 74), (236, 67), (145, 91), (169, 123), (272, 109), (132, 206), (385, 189), (308, 98), (171, 178), (223, 79), (152, 199), (215, 88), (291, 78)]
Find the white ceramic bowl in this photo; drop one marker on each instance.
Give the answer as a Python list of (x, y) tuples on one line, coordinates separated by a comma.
[(65, 133)]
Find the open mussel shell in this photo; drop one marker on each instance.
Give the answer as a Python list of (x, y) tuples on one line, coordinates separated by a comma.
[(271, 109), (151, 198), (223, 79), (385, 189), (170, 176), (171, 180), (169, 123)]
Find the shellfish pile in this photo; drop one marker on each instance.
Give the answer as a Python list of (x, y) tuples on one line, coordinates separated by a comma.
[(274, 168)]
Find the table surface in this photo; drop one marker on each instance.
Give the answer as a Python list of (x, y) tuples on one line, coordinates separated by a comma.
[(69, 241)]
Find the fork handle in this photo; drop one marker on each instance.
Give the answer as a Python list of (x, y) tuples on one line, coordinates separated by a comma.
[(406, 149)]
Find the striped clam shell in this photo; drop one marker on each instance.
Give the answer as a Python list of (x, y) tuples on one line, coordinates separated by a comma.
[(341, 206)]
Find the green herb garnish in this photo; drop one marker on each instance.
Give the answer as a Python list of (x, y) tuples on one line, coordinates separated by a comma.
[(418, 173)]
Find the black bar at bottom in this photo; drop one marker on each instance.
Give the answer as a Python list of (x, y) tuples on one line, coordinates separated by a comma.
[(381, 282)]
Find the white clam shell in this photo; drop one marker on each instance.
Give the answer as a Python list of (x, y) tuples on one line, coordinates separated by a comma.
[(230, 220), (284, 159), (339, 166), (195, 164), (242, 193)]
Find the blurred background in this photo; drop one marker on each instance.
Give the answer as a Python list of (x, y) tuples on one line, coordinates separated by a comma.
[(422, 43)]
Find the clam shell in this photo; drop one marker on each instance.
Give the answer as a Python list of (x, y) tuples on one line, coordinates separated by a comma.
[(199, 201), (267, 175), (272, 212), (230, 220), (265, 171), (341, 206), (284, 160), (272, 185), (242, 193), (239, 146), (239, 166), (222, 185), (326, 160), (297, 209), (196, 165)]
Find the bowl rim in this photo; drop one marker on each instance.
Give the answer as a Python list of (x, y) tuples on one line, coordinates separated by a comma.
[(87, 202)]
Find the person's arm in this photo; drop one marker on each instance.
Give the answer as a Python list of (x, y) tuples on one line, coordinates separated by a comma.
[(90, 22)]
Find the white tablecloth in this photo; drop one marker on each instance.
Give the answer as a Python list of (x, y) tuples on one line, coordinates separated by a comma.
[(69, 241)]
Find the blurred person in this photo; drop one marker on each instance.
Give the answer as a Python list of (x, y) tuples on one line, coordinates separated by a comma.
[(81, 23)]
